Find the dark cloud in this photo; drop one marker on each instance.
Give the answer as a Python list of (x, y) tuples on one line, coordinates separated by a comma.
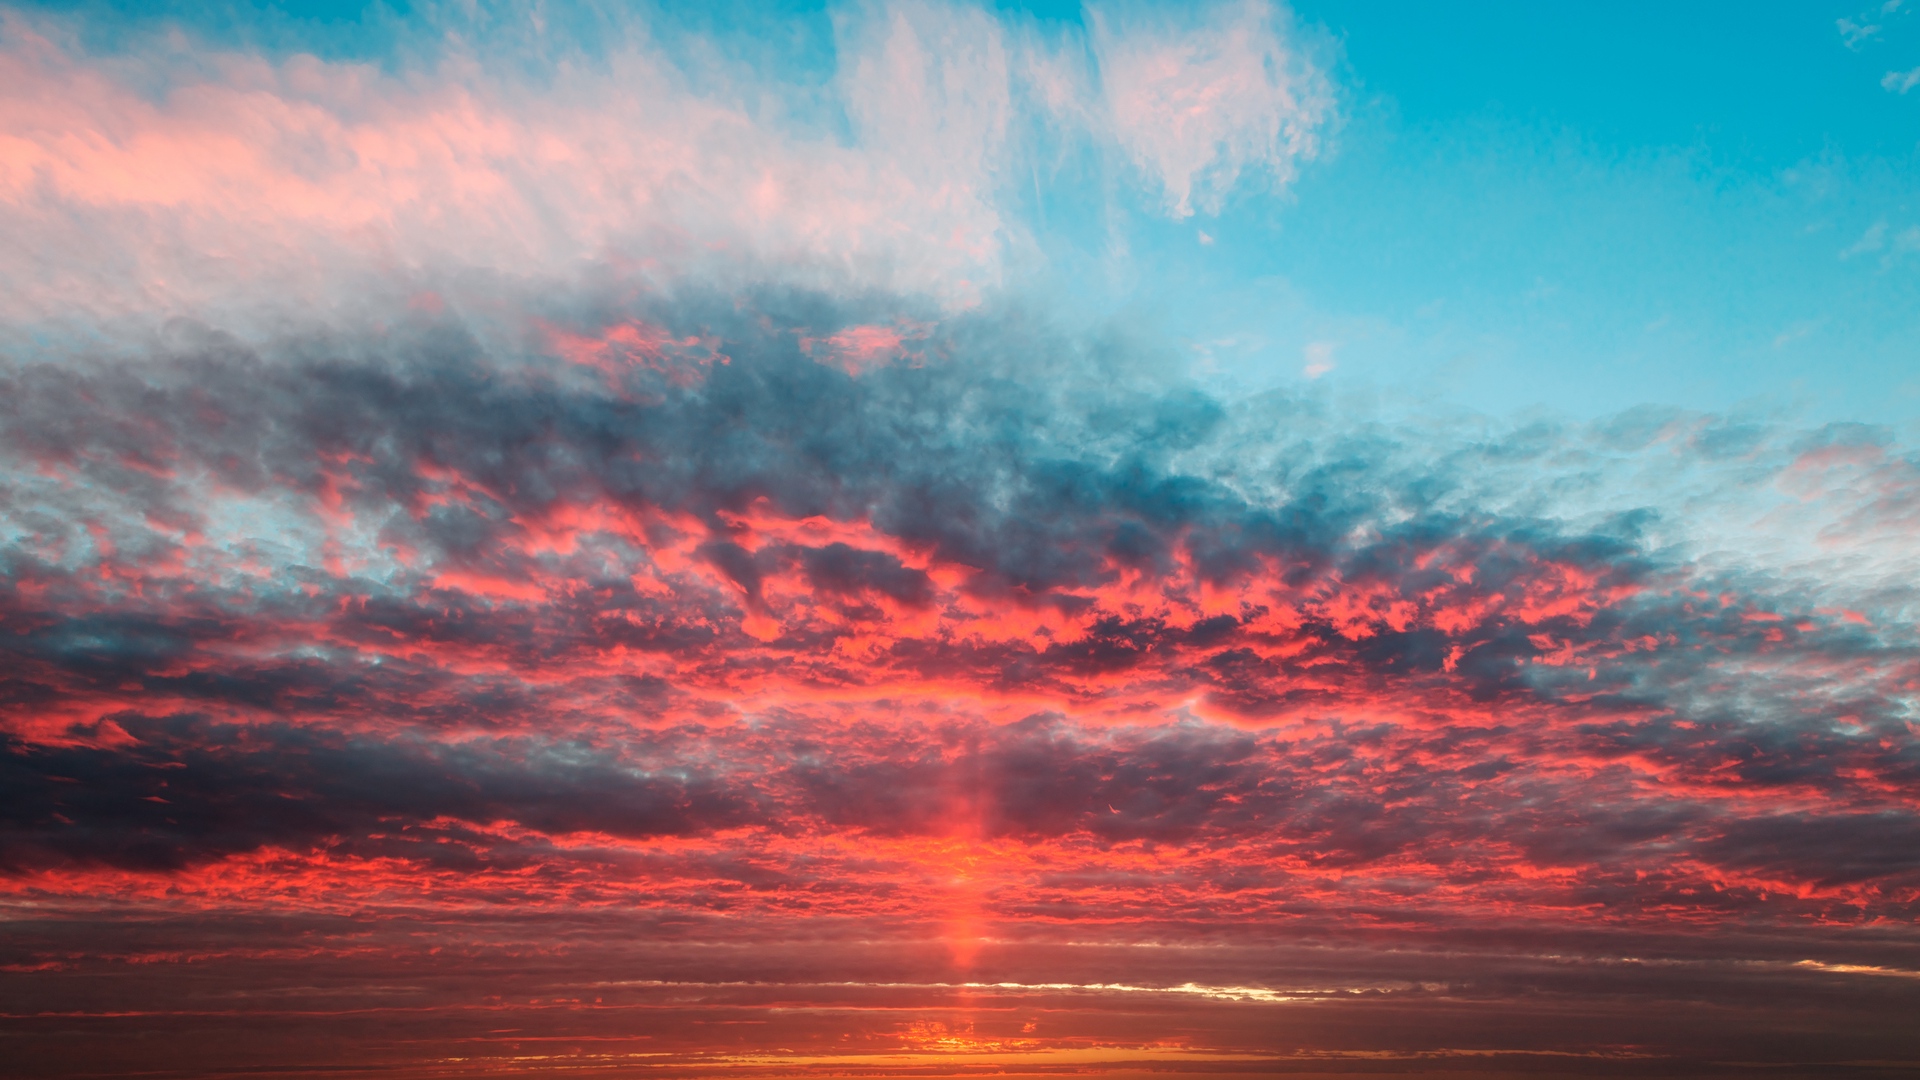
[(345, 626), (189, 790)]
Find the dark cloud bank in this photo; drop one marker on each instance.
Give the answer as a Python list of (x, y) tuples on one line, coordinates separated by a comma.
[(353, 677)]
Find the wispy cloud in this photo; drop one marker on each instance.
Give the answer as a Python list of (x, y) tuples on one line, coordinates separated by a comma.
[(222, 185), (1872, 240), (1858, 29), (1198, 101)]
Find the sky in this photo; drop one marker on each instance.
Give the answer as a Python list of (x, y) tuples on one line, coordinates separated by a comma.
[(949, 539)]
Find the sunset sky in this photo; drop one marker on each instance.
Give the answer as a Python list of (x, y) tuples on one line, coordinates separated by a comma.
[(935, 539)]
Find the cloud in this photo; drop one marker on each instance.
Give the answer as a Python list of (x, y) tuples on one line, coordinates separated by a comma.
[(1197, 102), (175, 180), (1868, 24), (188, 791), (1870, 241), (241, 181), (588, 521), (477, 621), (1319, 356), (930, 86)]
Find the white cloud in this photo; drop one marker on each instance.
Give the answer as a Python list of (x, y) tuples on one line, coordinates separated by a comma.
[(1798, 331), (147, 185), (928, 88), (1197, 103), (1319, 357), (1859, 28), (1870, 241), (1900, 82), (1853, 33), (179, 180), (1893, 246)]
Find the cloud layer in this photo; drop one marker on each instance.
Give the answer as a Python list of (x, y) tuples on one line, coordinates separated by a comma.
[(600, 556), (168, 181)]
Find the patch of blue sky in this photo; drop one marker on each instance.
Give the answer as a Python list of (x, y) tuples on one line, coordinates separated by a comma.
[(1589, 207), (273, 538)]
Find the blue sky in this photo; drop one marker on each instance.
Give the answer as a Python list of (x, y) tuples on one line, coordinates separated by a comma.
[(1585, 207), (1590, 209)]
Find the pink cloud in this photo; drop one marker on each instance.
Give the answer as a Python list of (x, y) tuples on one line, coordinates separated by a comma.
[(1195, 106), (178, 180), (248, 181)]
